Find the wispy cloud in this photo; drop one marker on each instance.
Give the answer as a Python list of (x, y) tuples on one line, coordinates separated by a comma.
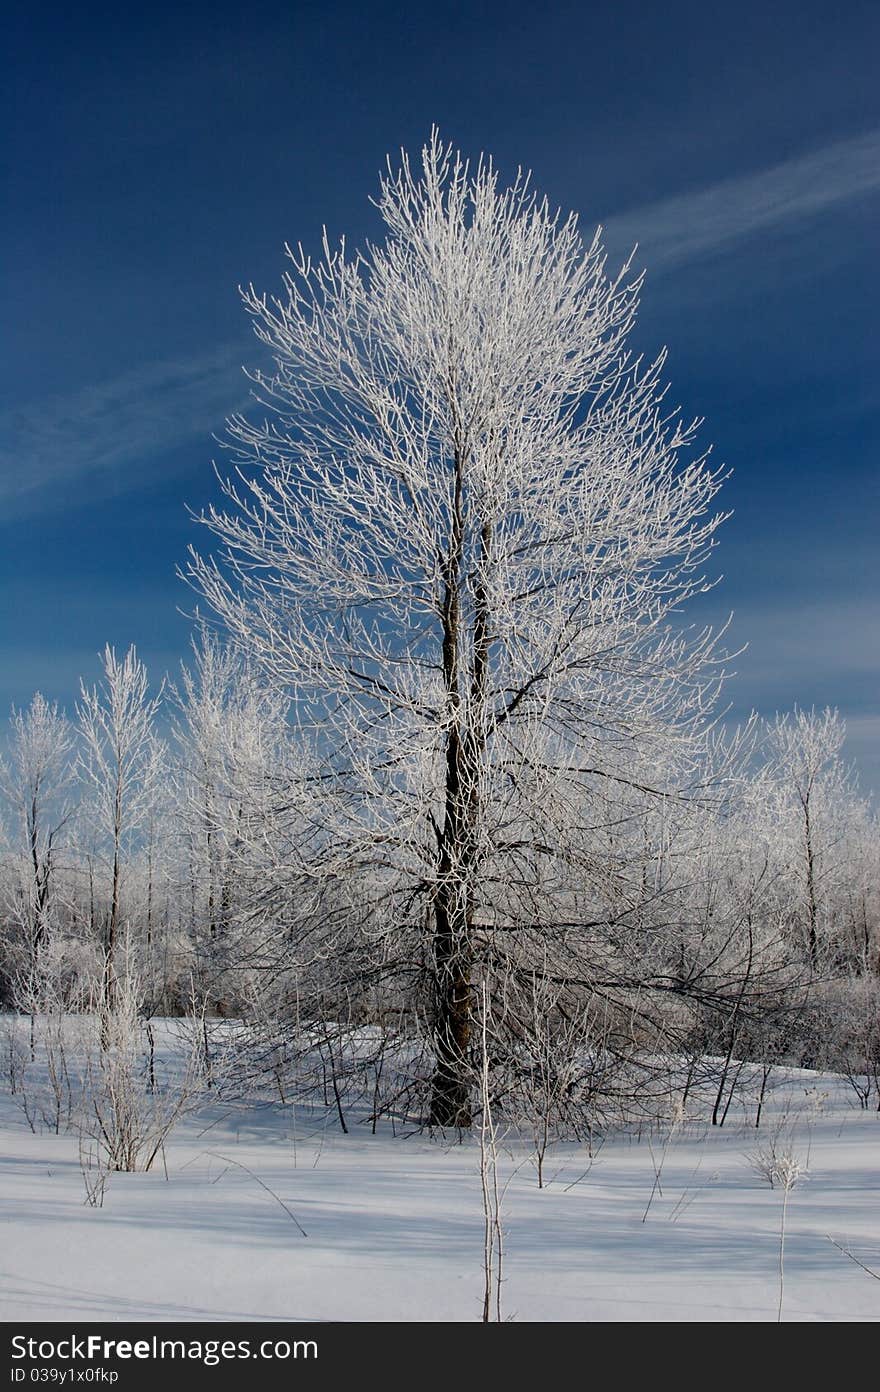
[(117, 433), (812, 652), (863, 747), (108, 434), (813, 640), (807, 650), (691, 225)]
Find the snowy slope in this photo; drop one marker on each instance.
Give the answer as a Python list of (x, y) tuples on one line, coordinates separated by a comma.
[(395, 1225)]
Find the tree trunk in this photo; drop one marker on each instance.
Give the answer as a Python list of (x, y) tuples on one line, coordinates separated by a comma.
[(450, 1100), (453, 949)]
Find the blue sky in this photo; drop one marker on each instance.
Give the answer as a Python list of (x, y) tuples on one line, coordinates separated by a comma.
[(156, 159)]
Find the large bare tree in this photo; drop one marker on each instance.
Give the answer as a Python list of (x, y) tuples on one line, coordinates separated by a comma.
[(459, 538)]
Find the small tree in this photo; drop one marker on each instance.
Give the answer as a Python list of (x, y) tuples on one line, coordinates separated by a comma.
[(459, 543), (35, 783), (229, 735), (120, 765), (813, 788)]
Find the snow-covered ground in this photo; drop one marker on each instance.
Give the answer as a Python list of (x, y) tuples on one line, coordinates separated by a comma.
[(395, 1226)]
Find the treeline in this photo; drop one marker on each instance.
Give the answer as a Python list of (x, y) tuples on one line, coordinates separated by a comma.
[(736, 920)]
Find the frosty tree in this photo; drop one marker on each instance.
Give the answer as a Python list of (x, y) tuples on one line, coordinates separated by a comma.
[(121, 770), (35, 783), (457, 540), (229, 737), (817, 798)]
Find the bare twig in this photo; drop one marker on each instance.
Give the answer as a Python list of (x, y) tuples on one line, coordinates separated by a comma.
[(263, 1185)]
